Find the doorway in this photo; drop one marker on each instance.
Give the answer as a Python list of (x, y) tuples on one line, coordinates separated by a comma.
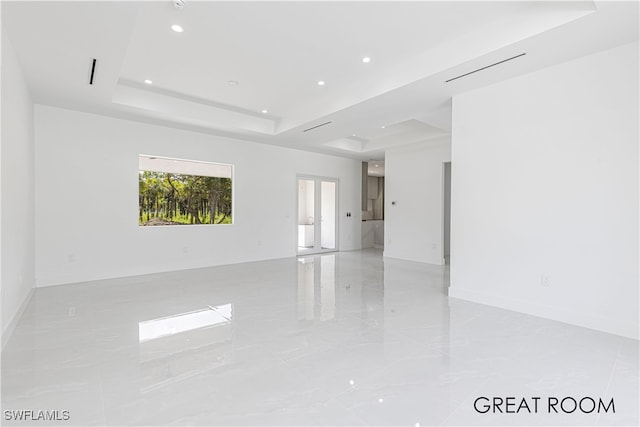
[(317, 215)]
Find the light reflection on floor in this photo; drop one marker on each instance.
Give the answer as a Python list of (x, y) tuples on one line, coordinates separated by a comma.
[(335, 339)]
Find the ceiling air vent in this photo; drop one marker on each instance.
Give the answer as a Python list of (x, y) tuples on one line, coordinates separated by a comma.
[(93, 70), (316, 127), (484, 68)]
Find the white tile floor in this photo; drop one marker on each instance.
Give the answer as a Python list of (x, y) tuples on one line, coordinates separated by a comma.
[(338, 339)]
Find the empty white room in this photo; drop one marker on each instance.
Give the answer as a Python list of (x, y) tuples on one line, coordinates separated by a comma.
[(320, 213)]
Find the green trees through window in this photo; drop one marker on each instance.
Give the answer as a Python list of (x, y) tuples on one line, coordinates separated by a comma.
[(180, 192)]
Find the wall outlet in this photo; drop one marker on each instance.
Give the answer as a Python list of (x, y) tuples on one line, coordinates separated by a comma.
[(545, 280), (434, 246), (71, 258)]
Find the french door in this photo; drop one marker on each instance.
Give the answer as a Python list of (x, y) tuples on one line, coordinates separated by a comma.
[(317, 215)]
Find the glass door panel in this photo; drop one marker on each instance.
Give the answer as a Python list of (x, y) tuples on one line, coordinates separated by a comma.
[(328, 215), (306, 214)]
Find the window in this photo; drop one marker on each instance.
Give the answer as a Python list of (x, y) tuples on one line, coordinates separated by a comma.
[(183, 192)]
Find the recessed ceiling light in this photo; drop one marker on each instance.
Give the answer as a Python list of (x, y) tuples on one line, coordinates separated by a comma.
[(177, 28), (377, 166), (321, 83), (264, 111), (382, 127), (233, 83), (148, 81), (354, 134), (366, 59)]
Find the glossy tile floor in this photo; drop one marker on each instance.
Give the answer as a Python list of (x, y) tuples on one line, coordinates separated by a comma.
[(338, 339)]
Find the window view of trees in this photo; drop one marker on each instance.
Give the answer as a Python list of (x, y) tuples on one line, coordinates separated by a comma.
[(175, 199)]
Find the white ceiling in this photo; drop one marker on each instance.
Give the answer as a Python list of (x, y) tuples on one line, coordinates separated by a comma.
[(278, 51)]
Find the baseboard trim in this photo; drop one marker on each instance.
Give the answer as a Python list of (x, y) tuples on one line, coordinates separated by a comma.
[(8, 331), (597, 323), (439, 262)]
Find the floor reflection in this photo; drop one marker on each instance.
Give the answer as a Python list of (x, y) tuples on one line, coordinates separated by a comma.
[(179, 347), (321, 295), (317, 287), (349, 338)]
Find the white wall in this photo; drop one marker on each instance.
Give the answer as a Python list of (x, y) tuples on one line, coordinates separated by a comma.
[(17, 194), (545, 183), (414, 180), (87, 199)]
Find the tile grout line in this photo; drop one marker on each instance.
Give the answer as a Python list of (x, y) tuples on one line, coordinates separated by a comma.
[(613, 371), (95, 350), (463, 401)]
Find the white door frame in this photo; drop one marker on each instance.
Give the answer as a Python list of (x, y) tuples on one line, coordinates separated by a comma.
[(317, 246)]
